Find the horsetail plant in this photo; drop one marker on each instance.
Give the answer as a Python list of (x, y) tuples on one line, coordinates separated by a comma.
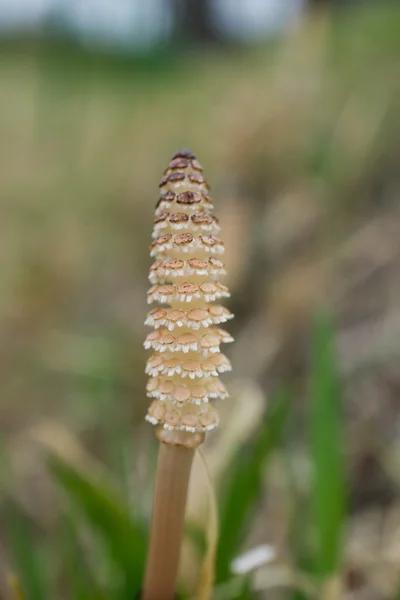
[(186, 363)]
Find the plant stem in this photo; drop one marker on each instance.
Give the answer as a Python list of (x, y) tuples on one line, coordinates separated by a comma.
[(172, 480)]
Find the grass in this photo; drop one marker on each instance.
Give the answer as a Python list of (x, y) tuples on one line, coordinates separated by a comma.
[(328, 449), (97, 520), (242, 485), (81, 139)]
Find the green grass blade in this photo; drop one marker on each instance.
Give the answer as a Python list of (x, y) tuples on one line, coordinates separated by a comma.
[(27, 555), (299, 527), (107, 514), (243, 482), (328, 493), (80, 581)]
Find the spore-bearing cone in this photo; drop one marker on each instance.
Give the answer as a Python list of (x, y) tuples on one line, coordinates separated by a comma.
[(185, 276)]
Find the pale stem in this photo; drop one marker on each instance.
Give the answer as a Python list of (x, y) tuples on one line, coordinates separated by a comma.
[(172, 480)]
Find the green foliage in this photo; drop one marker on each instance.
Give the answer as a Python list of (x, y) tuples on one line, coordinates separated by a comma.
[(242, 486), (96, 509), (108, 515), (81, 583), (316, 534), (30, 561), (328, 499)]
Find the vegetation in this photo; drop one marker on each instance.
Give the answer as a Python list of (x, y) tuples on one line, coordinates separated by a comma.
[(308, 127), (101, 545)]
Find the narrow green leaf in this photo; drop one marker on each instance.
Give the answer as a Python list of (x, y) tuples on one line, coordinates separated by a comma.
[(27, 555), (243, 482), (299, 524), (107, 514), (79, 578), (328, 492)]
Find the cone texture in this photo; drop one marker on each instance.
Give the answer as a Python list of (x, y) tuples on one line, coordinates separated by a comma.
[(185, 276)]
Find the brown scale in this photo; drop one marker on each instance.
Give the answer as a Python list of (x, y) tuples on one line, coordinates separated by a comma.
[(171, 269), (186, 338)]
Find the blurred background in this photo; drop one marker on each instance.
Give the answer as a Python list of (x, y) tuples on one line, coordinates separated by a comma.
[(292, 108)]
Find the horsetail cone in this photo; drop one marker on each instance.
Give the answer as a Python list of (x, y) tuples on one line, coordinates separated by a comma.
[(185, 276)]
